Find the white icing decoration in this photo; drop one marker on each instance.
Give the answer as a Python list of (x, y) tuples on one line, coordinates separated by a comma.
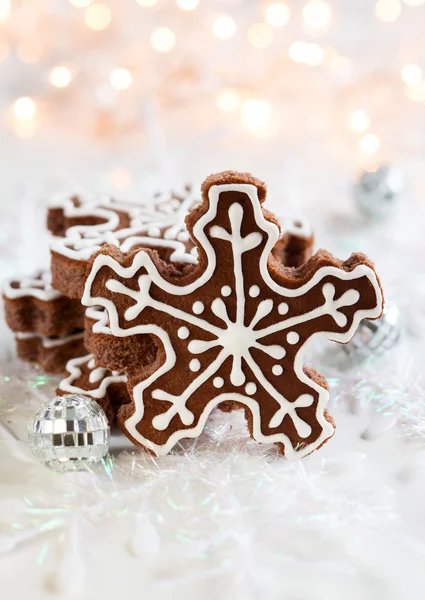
[(158, 224), (50, 342), (292, 337), (233, 339), (183, 236), (82, 249), (97, 375), (183, 333), (283, 308), (218, 382), (254, 291), (37, 286), (198, 307), (277, 369), (168, 211), (194, 364), (226, 290), (98, 206), (250, 388)]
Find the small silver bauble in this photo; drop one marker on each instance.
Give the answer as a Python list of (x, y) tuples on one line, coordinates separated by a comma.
[(378, 191), (68, 433), (374, 338)]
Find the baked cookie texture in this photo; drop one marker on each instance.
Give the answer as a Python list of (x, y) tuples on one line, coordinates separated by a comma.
[(107, 388), (159, 224), (33, 305), (51, 353), (48, 327), (232, 328)]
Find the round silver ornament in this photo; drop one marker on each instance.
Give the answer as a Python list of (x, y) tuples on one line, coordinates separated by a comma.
[(374, 338), (68, 433), (377, 192)]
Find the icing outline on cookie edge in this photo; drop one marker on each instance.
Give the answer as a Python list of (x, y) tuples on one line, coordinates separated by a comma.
[(142, 298)]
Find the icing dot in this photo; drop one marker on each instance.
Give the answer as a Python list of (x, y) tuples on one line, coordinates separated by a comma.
[(183, 333), (283, 308), (277, 370), (218, 382), (194, 252), (183, 236), (194, 364), (198, 307), (254, 290), (250, 388), (154, 232), (226, 290), (292, 337)]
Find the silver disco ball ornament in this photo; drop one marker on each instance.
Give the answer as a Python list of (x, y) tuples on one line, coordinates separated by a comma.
[(374, 338), (69, 433), (377, 192)]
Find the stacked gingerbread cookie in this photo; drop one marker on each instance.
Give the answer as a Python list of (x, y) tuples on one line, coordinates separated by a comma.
[(86, 227), (48, 326), (194, 304), (220, 317)]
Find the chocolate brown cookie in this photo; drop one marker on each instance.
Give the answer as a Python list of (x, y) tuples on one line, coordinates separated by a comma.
[(159, 225), (106, 387), (33, 306), (234, 327), (51, 353)]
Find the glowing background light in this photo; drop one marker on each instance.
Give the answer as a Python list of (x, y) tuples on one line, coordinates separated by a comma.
[(224, 27), (298, 51), (24, 108), (388, 10), (60, 77), (121, 79), (315, 54), (307, 53), (228, 100), (255, 114), (187, 4), (413, 2), (411, 73), (369, 144), (4, 9), (260, 35), (358, 121), (277, 14), (97, 16), (80, 3), (163, 39), (416, 91), (146, 3), (316, 14)]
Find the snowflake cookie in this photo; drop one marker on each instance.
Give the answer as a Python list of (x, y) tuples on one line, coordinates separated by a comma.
[(232, 328), (88, 223)]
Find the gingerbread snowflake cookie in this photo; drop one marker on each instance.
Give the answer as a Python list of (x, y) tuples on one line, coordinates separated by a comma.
[(159, 224), (234, 327)]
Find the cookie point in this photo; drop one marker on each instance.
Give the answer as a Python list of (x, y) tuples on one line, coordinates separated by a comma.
[(229, 177)]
